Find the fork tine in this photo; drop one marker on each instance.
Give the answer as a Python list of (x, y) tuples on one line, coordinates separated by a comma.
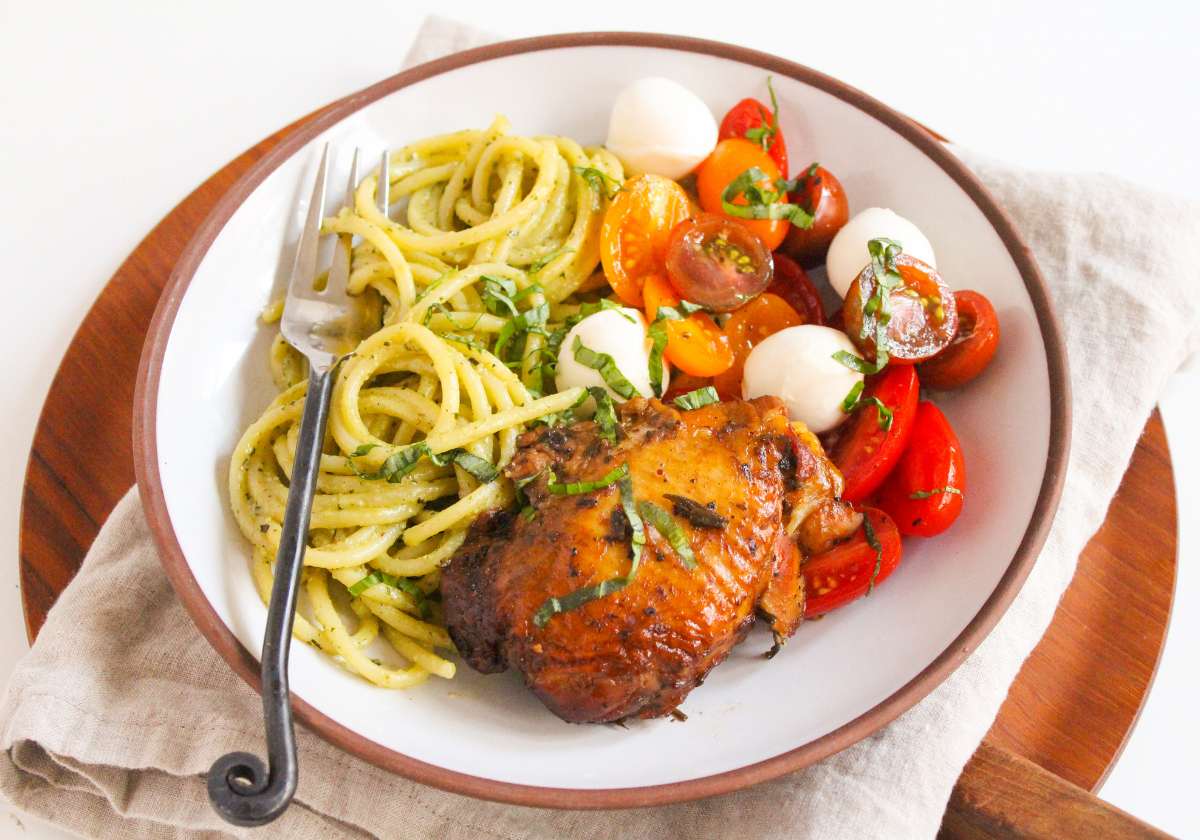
[(383, 189), (305, 268), (339, 270)]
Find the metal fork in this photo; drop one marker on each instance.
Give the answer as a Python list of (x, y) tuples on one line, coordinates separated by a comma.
[(323, 323)]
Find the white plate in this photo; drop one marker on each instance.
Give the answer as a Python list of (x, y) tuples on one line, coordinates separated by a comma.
[(205, 378)]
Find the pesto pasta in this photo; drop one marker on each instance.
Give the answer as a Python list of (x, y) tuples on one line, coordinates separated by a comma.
[(498, 231)]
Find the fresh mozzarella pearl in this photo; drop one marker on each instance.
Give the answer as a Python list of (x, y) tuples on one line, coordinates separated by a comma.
[(661, 127), (624, 338), (797, 365), (848, 254)]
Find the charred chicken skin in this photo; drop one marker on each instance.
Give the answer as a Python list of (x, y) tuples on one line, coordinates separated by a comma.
[(732, 475)]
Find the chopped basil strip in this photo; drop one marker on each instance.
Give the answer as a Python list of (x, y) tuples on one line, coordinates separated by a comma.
[(435, 284), (925, 494), (405, 461), (418, 594), (763, 202), (853, 402), (666, 525), (765, 135), (529, 512), (699, 515), (603, 183), (606, 413), (873, 541), (373, 579), (658, 338), (599, 306), (861, 365), (582, 486), (462, 339), (397, 465), (591, 593), (476, 466), (607, 368), (879, 305), (537, 265), (697, 399)]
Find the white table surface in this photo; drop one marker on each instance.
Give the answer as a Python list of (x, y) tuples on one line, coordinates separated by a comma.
[(111, 114)]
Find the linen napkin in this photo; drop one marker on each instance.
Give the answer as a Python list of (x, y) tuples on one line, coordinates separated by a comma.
[(120, 707)]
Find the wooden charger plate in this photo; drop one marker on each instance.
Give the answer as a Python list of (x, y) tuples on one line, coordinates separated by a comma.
[(1070, 710)]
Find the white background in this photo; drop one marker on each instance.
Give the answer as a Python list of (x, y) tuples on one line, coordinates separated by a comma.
[(110, 114)]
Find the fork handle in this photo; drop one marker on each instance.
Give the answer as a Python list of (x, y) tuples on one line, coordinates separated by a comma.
[(242, 790)]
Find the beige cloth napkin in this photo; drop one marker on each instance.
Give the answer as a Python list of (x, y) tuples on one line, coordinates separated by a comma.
[(118, 710)]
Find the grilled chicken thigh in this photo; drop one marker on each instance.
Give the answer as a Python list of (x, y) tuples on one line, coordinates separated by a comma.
[(731, 474)]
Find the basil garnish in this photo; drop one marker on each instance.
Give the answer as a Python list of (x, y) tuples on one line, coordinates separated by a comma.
[(377, 577), (925, 494), (582, 486), (405, 461), (607, 368), (765, 135), (853, 402), (603, 183), (666, 525), (873, 541), (591, 593), (606, 414), (763, 202), (697, 399)]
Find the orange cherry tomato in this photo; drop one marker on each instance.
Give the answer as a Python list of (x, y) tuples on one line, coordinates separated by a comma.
[(766, 315), (972, 348), (637, 225), (851, 569), (728, 160), (697, 345)]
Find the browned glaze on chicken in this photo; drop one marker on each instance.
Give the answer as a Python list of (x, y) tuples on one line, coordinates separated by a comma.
[(638, 652)]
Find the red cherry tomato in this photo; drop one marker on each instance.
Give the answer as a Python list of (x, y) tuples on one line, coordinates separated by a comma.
[(850, 570), (924, 492), (821, 195), (793, 285), (924, 318), (748, 326), (728, 160), (860, 449), (717, 262), (972, 348), (750, 115)]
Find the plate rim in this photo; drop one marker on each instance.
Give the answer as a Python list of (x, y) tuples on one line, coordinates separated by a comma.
[(246, 665)]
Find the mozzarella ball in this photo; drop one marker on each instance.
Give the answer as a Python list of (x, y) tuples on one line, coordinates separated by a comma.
[(622, 334), (848, 254), (660, 127), (797, 365)]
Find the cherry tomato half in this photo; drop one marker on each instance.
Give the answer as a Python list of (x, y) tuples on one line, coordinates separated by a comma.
[(972, 348), (696, 345), (728, 160), (850, 570), (863, 452), (821, 195), (637, 225), (717, 262), (924, 318), (793, 285), (924, 492), (764, 316), (748, 115)]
